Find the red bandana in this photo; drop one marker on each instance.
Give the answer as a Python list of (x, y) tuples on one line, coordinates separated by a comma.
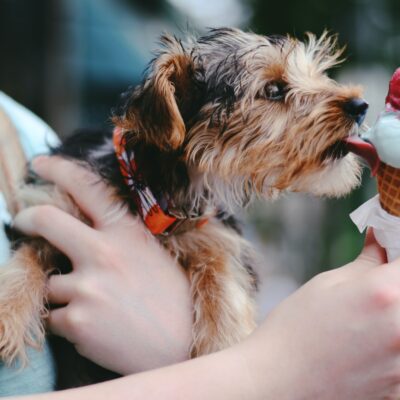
[(156, 218)]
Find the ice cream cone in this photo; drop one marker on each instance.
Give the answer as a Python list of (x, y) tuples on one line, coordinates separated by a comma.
[(389, 188), (381, 149)]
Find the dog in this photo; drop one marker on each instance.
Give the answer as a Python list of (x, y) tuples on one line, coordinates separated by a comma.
[(217, 122)]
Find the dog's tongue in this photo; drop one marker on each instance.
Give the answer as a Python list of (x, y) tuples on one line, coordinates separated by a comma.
[(393, 96), (365, 150)]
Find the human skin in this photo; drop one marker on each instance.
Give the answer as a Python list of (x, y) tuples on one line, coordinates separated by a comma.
[(337, 337), (119, 270)]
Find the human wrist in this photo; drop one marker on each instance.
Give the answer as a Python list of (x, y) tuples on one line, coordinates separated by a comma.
[(275, 371)]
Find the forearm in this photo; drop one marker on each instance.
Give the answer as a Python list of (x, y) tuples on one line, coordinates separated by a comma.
[(219, 376)]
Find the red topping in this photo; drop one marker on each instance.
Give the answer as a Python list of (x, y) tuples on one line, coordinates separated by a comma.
[(393, 96)]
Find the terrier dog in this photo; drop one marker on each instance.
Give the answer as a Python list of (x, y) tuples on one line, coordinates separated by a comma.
[(216, 122)]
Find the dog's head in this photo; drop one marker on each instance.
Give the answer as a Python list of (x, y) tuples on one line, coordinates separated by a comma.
[(250, 114)]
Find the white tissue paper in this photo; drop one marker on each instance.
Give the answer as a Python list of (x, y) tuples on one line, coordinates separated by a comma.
[(386, 227)]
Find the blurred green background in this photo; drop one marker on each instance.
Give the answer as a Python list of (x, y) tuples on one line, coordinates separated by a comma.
[(68, 60)]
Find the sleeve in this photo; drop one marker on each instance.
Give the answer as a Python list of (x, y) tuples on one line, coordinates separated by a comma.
[(35, 138)]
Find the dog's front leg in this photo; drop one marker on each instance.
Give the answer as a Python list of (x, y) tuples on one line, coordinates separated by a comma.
[(221, 287), (22, 302)]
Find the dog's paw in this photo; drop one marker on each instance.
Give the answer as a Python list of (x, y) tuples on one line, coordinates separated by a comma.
[(22, 311)]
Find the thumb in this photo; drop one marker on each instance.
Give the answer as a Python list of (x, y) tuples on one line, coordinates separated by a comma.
[(372, 251)]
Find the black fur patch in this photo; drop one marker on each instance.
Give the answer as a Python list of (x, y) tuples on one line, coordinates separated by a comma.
[(163, 172)]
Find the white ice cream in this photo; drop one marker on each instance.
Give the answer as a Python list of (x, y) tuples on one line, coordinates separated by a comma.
[(385, 136)]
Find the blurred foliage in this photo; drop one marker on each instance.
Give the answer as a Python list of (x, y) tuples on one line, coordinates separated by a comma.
[(150, 6), (296, 17), (369, 28), (160, 8), (23, 33)]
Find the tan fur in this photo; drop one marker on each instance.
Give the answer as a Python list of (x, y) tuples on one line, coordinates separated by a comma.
[(22, 304), (221, 287), (23, 281)]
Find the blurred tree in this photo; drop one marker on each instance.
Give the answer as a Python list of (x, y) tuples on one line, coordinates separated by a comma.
[(296, 17), (150, 6), (25, 35), (369, 28)]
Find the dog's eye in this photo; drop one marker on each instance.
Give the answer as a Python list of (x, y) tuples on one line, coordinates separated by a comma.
[(275, 91)]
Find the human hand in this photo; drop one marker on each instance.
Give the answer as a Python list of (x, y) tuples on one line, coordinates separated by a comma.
[(126, 305), (338, 337)]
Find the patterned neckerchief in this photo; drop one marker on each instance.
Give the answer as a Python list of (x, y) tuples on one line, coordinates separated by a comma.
[(156, 217)]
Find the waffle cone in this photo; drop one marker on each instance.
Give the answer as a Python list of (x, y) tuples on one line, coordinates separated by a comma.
[(389, 188)]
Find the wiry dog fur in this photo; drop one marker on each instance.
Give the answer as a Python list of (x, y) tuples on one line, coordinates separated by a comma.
[(216, 122)]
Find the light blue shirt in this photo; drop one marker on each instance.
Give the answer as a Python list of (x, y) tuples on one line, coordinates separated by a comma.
[(40, 374)]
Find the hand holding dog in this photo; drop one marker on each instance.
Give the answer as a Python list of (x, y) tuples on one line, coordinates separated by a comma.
[(337, 337), (126, 304)]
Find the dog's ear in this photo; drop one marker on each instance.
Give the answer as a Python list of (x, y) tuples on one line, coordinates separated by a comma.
[(153, 110)]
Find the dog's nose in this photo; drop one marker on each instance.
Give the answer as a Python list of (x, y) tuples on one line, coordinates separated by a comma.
[(356, 108)]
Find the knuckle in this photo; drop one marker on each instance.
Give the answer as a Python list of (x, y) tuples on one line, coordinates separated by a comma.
[(74, 321), (79, 172), (61, 164), (89, 288), (105, 253), (382, 292), (42, 214), (385, 296), (71, 172)]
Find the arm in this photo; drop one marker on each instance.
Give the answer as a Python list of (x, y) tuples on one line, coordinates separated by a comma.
[(335, 338), (218, 376)]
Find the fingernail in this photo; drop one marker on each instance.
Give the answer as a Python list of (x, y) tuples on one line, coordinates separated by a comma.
[(38, 161)]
